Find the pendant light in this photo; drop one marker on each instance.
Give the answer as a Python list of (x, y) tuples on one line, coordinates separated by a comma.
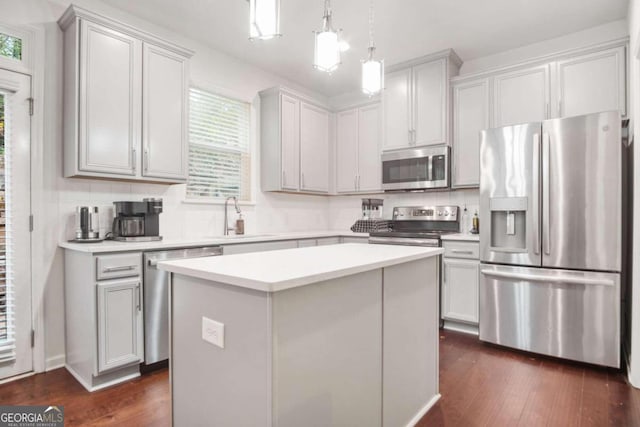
[(327, 48), (264, 19), (372, 70)]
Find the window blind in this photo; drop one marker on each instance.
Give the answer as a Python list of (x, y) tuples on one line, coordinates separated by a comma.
[(7, 298), (219, 147)]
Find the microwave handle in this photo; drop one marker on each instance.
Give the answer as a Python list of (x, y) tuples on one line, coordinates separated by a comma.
[(430, 169)]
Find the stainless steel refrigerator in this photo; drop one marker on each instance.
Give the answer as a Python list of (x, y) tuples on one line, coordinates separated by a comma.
[(551, 237)]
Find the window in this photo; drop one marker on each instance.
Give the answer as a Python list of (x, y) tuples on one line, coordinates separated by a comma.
[(10, 47), (219, 147)]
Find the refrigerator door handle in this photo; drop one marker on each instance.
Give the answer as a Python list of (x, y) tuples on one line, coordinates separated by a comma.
[(536, 194), (573, 280), (545, 195)]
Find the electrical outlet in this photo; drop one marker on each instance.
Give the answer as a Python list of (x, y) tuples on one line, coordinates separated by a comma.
[(213, 332)]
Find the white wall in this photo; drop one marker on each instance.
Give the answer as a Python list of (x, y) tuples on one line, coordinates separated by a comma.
[(634, 97)]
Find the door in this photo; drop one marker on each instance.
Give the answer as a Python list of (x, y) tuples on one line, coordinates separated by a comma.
[(164, 119), (314, 148), (570, 314), (592, 83), (347, 151), (290, 142), (510, 195), (369, 162), (16, 355), (430, 103), (470, 116), (582, 207), (397, 110), (521, 96), (120, 335), (110, 100), (460, 290)]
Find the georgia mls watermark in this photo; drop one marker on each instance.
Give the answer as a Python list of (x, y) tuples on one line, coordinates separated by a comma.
[(31, 416)]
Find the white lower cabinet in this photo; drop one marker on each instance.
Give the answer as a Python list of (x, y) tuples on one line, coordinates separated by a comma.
[(120, 323), (460, 281)]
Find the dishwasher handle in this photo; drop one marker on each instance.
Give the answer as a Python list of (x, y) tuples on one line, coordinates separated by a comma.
[(154, 258)]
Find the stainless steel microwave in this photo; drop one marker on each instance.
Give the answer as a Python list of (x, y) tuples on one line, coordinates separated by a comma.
[(424, 168)]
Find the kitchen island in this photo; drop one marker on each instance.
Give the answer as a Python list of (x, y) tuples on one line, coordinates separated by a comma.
[(340, 335)]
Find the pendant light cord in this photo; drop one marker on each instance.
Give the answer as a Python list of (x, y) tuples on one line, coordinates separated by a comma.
[(371, 16)]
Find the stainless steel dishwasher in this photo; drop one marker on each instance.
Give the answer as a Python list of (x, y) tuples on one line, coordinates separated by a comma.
[(156, 299)]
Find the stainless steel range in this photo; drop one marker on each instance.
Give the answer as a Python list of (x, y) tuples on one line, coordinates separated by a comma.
[(419, 226)]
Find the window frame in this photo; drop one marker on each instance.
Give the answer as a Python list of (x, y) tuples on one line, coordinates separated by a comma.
[(25, 64), (253, 143)]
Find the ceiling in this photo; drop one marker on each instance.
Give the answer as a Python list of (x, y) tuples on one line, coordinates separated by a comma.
[(404, 29)]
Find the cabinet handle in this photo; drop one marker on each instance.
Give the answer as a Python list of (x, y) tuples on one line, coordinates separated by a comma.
[(284, 178), (121, 268), (410, 136), (303, 180), (459, 251), (547, 111), (355, 182), (134, 159), (138, 296), (145, 159), (559, 107), (358, 182), (415, 138)]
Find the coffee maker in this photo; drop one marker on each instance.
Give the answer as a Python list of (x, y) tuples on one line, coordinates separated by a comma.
[(137, 221)]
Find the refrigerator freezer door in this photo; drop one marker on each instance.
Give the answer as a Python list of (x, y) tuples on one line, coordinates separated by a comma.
[(582, 206), (510, 195), (570, 314)]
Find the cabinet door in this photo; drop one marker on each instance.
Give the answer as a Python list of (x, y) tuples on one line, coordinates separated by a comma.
[(521, 96), (460, 289), (290, 142), (397, 110), (314, 148), (470, 116), (430, 103), (369, 162), (164, 119), (347, 151), (120, 336), (592, 83), (110, 100)]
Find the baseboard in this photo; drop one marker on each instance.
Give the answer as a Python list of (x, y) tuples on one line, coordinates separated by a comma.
[(17, 377), (416, 419), (54, 362), (105, 382), (461, 327)]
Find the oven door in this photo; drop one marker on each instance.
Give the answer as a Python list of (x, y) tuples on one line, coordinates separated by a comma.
[(416, 169)]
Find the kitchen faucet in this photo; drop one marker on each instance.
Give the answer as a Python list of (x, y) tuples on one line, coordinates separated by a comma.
[(226, 221)]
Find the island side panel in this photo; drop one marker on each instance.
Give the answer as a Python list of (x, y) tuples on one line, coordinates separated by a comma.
[(327, 353), (212, 386), (410, 348)]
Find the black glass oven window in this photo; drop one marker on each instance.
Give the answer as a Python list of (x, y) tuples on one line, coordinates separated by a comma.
[(405, 170), (438, 168)]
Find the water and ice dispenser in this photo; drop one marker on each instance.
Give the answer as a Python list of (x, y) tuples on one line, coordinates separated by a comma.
[(508, 223)]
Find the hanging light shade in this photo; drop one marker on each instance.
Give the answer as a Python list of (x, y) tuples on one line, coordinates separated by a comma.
[(372, 74), (372, 69), (264, 19), (327, 49)]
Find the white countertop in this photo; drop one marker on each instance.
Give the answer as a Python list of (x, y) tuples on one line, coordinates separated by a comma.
[(288, 268), (112, 246), (461, 236)]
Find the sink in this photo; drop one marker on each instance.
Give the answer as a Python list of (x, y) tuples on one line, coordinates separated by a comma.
[(240, 236)]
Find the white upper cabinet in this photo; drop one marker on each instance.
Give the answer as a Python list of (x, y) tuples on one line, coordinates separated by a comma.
[(470, 116), (294, 143), (164, 121), (314, 148), (125, 101), (110, 100), (347, 151), (369, 162), (358, 150), (592, 83), (397, 110), (416, 101), (521, 96), (430, 83), (290, 131)]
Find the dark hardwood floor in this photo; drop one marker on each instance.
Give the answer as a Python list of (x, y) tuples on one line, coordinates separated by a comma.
[(481, 385)]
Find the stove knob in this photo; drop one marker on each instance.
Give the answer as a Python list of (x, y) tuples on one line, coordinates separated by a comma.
[(446, 214), (439, 213)]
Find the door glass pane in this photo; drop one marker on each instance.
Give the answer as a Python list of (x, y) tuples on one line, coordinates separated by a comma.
[(10, 47)]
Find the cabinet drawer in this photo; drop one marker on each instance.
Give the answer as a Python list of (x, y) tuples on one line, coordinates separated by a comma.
[(119, 265), (469, 250)]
